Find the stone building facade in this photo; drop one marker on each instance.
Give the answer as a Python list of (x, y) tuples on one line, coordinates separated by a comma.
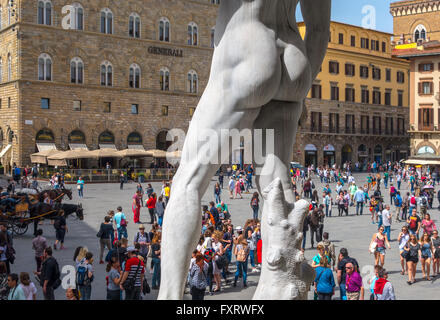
[(416, 19), (420, 22), (100, 71), (357, 109)]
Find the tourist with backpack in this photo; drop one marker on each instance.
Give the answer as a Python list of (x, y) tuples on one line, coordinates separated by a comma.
[(50, 275), (143, 239), (198, 276), (133, 276), (324, 282), (84, 276), (329, 249), (241, 252), (121, 223)]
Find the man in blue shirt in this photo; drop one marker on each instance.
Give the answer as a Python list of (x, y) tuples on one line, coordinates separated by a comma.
[(359, 198), (122, 230), (398, 203)]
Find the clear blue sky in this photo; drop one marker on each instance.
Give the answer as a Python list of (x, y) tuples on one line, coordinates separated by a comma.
[(350, 11)]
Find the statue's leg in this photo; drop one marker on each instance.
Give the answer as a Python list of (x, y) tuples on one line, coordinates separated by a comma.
[(283, 118)]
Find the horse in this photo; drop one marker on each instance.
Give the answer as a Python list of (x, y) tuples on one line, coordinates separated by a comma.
[(56, 194), (41, 208)]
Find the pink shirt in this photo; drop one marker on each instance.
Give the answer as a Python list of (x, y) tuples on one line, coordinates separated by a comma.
[(428, 226)]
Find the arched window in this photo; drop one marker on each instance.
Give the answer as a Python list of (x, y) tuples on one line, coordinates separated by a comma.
[(45, 12), (9, 67), (213, 37), (44, 67), (77, 136), (192, 83), (134, 138), (420, 32), (135, 76), (134, 26), (106, 138), (106, 74), (106, 21), (76, 70), (164, 30), (192, 34), (164, 79), (45, 135), (77, 16)]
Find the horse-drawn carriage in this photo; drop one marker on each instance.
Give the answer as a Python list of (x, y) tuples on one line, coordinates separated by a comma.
[(30, 208)]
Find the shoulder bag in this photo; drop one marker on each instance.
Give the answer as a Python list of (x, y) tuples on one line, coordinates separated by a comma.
[(130, 282)]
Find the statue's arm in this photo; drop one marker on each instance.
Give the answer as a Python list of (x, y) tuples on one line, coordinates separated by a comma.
[(316, 15)]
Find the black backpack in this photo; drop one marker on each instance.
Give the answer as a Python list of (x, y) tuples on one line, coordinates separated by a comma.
[(221, 262)]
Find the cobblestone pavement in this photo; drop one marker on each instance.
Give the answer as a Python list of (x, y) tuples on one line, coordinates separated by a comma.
[(352, 232)]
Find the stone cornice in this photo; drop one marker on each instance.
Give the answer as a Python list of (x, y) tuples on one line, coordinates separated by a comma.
[(407, 8)]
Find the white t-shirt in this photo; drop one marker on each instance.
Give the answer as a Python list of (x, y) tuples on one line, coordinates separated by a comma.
[(386, 218), (29, 290), (403, 241)]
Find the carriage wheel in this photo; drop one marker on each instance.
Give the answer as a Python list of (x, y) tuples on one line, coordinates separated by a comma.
[(20, 228)]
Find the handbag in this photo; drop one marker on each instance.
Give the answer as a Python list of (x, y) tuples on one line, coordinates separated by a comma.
[(123, 223), (130, 282), (373, 246), (145, 287), (78, 187)]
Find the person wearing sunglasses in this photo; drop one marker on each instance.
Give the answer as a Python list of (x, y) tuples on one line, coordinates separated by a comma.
[(412, 253), (353, 283)]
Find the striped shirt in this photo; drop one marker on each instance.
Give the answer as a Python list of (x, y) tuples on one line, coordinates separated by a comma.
[(199, 280), (131, 266)]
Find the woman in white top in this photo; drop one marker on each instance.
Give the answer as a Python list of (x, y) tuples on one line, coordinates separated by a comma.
[(28, 287), (403, 238), (218, 249)]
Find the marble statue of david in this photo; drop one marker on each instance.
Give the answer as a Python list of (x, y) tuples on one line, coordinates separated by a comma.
[(261, 73)]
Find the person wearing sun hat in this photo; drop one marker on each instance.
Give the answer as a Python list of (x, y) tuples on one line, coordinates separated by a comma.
[(143, 239)]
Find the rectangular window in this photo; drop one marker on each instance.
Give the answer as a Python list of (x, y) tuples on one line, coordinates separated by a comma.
[(376, 97), (353, 41), (388, 98), (400, 77), (316, 122), (333, 123), (334, 93), (363, 70), (107, 107), (400, 98), (388, 75), (9, 102), (334, 67), (45, 103), (365, 95), (426, 119), (77, 105), (134, 109), (426, 88), (365, 125), (316, 91), (426, 67), (165, 110), (341, 38), (389, 126), (349, 69), (400, 126), (384, 47), (376, 73), (365, 43), (377, 125), (349, 123), (349, 94)]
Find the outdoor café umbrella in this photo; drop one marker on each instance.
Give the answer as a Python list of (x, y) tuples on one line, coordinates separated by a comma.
[(134, 153), (104, 153), (158, 153), (41, 157)]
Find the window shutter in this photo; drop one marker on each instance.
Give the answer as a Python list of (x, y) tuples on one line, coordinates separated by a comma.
[(420, 118), (420, 67), (431, 117), (420, 88), (431, 67), (320, 122), (337, 67), (431, 87)]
